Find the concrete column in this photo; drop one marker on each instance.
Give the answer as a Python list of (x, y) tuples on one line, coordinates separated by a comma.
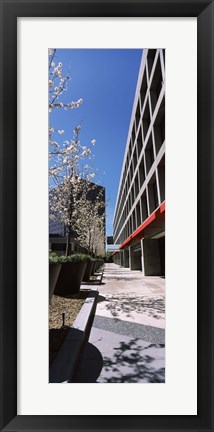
[(135, 259), (126, 258), (121, 258), (151, 255), (142, 257), (130, 260)]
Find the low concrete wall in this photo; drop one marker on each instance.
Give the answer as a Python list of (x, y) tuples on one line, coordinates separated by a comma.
[(64, 367)]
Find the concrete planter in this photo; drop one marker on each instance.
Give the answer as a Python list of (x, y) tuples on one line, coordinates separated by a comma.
[(93, 267), (65, 365), (88, 271), (100, 263), (54, 270), (70, 278)]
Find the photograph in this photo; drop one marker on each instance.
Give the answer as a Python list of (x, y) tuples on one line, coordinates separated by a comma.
[(92, 290), (106, 215)]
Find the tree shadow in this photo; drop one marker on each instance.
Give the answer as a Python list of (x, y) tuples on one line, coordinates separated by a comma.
[(132, 363), (152, 307)]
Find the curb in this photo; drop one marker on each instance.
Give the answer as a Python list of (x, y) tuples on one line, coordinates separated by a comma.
[(64, 366)]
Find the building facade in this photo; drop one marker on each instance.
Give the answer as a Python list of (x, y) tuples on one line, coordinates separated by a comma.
[(139, 218)]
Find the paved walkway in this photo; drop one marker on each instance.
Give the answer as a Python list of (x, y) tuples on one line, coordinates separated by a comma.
[(127, 340)]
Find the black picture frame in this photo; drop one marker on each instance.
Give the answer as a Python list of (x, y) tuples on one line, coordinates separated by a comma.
[(10, 11)]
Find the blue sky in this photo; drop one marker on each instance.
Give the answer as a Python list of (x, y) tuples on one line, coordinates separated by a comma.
[(106, 80)]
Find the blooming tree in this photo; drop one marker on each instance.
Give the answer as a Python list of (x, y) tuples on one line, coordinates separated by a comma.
[(90, 223), (58, 85), (71, 175), (70, 169)]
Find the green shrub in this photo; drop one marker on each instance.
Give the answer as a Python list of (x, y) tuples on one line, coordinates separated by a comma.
[(74, 258), (108, 257), (54, 258), (53, 255)]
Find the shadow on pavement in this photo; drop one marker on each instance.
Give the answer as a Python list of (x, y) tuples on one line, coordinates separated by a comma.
[(100, 298), (154, 308), (90, 365), (132, 364), (93, 282)]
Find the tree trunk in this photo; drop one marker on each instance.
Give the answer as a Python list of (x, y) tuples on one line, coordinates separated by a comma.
[(68, 240), (68, 243)]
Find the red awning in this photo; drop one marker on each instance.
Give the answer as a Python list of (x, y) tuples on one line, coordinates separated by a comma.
[(139, 232)]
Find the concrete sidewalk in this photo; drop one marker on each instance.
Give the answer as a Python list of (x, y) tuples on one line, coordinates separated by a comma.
[(127, 340)]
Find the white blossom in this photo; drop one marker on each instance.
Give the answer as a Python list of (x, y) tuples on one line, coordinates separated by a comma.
[(70, 175)]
